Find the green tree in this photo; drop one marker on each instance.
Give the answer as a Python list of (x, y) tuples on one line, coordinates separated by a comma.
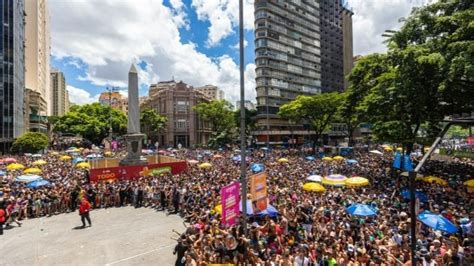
[(249, 119), (151, 122), (92, 121), (31, 142), (319, 111), (427, 73), (221, 119)]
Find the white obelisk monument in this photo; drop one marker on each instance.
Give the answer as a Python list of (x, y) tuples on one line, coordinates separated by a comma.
[(134, 137)]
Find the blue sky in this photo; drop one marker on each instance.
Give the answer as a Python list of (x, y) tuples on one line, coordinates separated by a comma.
[(95, 41)]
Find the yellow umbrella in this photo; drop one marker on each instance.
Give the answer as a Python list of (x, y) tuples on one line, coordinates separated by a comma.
[(334, 180), (437, 180), (282, 160), (39, 162), (313, 187), (469, 183), (399, 149), (218, 208), (65, 158), (108, 153), (32, 171), (15, 166), (426, 149), (83, 165), (54, 153), (328, 159), (357, 181), (205, 165), (338, 158), (389, 149)]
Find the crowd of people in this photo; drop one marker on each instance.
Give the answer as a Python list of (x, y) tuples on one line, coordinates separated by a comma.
[(311, 228)]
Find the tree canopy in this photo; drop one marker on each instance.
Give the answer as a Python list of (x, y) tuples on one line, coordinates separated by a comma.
[(221, 119), (31, 142), (151, 122), (92, 121)]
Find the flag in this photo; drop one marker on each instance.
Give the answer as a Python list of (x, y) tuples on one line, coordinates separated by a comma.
[(407, 164), (398, 161)]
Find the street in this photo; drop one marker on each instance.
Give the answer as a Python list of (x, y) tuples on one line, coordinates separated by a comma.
[(119, 236)]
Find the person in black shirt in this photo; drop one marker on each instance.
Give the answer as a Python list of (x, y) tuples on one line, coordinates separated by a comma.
[(179, 250)]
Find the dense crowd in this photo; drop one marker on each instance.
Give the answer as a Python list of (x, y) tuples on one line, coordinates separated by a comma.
[(310, 229)]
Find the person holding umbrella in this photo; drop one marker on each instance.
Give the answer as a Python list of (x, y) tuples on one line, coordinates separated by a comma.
[(84, 209)]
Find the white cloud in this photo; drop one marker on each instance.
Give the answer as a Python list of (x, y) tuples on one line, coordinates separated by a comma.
[(223, 15), (80, 96), (129, 34), (237, 45), (371, 19)]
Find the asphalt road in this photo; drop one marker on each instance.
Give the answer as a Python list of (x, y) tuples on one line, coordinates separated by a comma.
[(118, 236)]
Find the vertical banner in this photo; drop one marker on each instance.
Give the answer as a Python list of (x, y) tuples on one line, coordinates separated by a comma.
[(258, 189), (230, 196)]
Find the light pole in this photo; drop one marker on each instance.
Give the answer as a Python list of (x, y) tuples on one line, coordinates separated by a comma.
[(243, 166), (110, 90)]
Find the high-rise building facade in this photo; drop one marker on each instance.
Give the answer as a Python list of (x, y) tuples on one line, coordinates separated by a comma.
[(336, 44), (12, 78), (37, 52), (59, 93), (212, 92), (115, 100), (288, 59)]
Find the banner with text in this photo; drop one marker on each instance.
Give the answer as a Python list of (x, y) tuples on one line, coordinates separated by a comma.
[(258, 189), (230, 196)]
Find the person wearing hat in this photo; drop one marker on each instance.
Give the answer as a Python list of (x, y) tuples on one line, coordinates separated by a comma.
[(179, 250)]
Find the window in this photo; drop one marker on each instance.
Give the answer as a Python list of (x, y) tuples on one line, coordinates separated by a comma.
[(181, 124)]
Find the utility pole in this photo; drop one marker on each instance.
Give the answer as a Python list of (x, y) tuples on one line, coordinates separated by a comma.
[(243, 166)]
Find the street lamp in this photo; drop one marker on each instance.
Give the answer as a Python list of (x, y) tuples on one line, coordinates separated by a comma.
[(110, 90)]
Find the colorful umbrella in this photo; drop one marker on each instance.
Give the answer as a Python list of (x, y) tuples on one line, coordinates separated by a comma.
[(205, 165), (327, 159), (77, 160), (358, 209), (434, 179), (83, 165), (32, 171), (469, 183), (193, 161), (27, 178), (39, 162), (54, 153), (38, 183), (15, 166), (9, 160), (315, 178), (338, 158), (352, 161), (437, 222), (65, 158), (310, 158), (257, 168), (388, 149), (2, 173), (376, 152), (335, 180), (37, 155), (313, 187), (357, 181), (93, 156), (283, 160)]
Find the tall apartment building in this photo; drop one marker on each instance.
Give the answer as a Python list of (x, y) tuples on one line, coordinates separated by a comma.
[(37, 52), (212, 92), (176, 101), (336, 44), (287, 48), (60, 99), (67, 102), (299, 50), (12, 78)]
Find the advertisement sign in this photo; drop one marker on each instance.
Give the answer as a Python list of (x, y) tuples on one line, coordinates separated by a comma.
[(258, 189), (135, 171), (230, 196)]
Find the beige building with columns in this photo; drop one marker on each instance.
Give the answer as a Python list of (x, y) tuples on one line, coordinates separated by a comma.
[(37, 51)]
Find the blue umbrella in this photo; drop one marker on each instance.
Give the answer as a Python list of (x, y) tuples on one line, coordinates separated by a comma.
[(351, 161), (437, 222), (257, 168), (27, 178), (310, 158), (77, 160), (237, 158), (358, 209), (2, 173), (418, 194), (38, 183)]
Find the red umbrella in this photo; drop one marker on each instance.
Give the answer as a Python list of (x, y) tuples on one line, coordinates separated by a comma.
[(9, 160)]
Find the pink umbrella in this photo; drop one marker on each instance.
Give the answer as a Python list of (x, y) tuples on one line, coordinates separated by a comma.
[(9, 160), (193, 161)]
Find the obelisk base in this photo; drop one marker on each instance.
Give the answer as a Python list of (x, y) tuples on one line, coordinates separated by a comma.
[(134, 150)]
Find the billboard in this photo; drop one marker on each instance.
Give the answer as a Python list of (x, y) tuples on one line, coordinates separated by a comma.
[(230, 199), (258, 189)]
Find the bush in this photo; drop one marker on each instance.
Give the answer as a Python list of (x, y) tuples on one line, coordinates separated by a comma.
[(31, 142)]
